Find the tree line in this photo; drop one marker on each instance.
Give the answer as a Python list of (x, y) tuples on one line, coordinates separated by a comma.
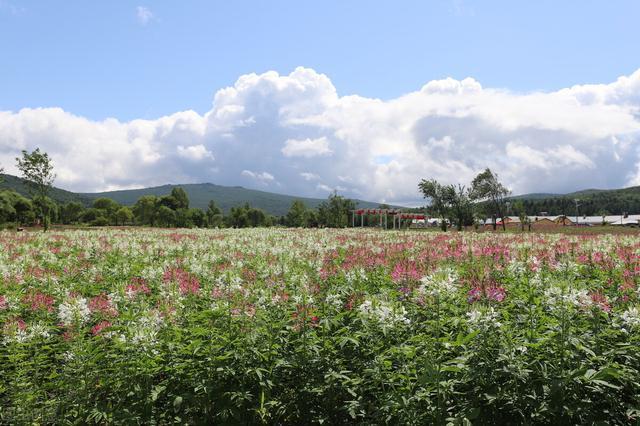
[(170, 210), (462, 205)]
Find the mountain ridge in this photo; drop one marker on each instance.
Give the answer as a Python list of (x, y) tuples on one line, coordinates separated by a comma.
[(199, 196)]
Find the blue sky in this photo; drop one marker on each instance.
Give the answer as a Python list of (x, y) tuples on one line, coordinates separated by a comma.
[(99, 60), (303, 98)]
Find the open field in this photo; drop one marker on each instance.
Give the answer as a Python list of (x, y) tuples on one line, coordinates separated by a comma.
[(285, 326)]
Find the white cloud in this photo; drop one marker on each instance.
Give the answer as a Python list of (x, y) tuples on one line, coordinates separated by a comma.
[(195, 152), (144, 15), (306, 147), (263, 177), (579, 137)]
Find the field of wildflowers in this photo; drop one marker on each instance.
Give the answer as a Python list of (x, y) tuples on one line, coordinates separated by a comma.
[(318, 326)]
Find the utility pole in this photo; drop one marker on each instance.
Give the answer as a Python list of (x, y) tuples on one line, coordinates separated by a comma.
[(577, 204)]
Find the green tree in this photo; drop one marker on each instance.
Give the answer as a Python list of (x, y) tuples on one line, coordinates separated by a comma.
[(37, 169), (168, 201), (335, 211), (181, 198), (486, 187), (91, 215), (461, 211), (70, 212), (146, 209), (214, 215), (123, 216), (109, 207), (7, 210), (439, 197), (297, 215), (166, 216), (197, 218)]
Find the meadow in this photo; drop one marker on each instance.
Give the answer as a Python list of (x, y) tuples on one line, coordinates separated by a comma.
[(312, 326)]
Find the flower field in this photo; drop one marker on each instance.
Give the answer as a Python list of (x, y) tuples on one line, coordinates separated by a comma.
[(318, 326)]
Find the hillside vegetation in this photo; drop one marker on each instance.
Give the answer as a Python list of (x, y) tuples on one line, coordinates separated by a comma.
[(199, 194), (592, 202)]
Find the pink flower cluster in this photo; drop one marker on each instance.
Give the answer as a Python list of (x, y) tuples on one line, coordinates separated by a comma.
[(187, 283)]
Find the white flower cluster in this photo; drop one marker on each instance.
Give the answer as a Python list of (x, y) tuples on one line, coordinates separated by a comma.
[(74, 311), (631, 317), (31, 332), (384, 313), (559, 298), (442, 283), (145, 330), (334, 300), (483, 319)]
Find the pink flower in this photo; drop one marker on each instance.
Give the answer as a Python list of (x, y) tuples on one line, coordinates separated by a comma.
[(474, 295), (496, 294), (3, 302), (601, 301), (102, 304), (405, 271), (39, 301), (97, 329)]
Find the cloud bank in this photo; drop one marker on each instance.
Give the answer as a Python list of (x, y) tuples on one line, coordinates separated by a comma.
[(294, 134)]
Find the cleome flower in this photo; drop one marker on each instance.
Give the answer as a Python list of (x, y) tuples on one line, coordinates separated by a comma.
[(384, 313), (75, 310), (441, 283), (483, 319), (631, 317)]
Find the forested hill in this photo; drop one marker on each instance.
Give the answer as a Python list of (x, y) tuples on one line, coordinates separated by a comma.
[(19, 185), (591, 202), (199, 196)]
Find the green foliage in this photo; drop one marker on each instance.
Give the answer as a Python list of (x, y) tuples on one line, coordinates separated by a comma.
[(124, 216), (71, 212), (214, 215), (37, 169), (297, 215), (336, 211)]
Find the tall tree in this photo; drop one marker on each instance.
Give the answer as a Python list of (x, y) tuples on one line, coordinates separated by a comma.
[(181, 197), (440, 199), (214, 215), (146, 209), (37, 169), (461, 207), (335, 211), (70, 212), (296, 216), (123, 216), (486, 187)]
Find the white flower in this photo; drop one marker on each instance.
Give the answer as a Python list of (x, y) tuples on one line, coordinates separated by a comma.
[(384, 313), (631, 317), (483, 319), (441, 283), (559, 298), (145, 330), (74, 310)]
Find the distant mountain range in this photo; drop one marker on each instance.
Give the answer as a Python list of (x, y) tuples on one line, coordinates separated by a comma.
[(199, 196), (590, 202)]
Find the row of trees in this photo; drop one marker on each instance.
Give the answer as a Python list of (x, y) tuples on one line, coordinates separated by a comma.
[(465, 206), (166, 211)]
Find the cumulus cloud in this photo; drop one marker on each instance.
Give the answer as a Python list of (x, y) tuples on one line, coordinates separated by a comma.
[(263, 177), (298, 128), (195, 152), (306, 148)]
